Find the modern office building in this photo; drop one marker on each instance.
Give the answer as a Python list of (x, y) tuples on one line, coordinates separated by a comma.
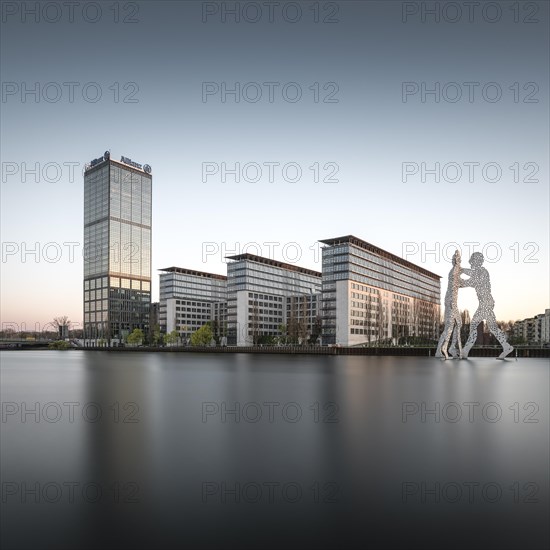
[(117, 249), (189, 299), (263, 294), (370, 295)]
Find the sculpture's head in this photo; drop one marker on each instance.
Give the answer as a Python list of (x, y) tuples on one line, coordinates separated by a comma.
[(476, 259), (456, 258)]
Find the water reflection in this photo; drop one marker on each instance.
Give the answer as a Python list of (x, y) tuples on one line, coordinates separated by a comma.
[(267, 451)]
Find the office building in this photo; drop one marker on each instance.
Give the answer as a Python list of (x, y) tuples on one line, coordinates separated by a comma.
[(265, 295), (117, 249), (189, 299), (370, 295)]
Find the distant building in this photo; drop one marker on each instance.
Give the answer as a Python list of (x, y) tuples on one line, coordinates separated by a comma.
[(545, 327), (537, 328), (519, 330), (117, 249), (264, 294), (533, 330), (370, 295), (189, 299)]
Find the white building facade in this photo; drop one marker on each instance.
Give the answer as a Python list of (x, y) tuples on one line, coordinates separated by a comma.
[(533, 330), (264, 294), (370, 295), (189, 299)]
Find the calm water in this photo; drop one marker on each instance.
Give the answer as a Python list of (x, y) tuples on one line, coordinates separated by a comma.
[(135, 450)]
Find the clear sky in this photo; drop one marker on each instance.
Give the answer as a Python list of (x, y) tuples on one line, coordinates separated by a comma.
[(160, 68)]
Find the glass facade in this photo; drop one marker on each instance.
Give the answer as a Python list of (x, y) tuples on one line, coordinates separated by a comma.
[(117, 251)]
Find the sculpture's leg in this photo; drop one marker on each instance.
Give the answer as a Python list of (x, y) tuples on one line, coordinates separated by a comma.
[(452, 349), (458, 331), (456, 337), (438, 352), (472, 337), (500, 336), (448, 332)]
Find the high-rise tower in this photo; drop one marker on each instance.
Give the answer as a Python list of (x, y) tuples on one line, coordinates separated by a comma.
[(117, 248)]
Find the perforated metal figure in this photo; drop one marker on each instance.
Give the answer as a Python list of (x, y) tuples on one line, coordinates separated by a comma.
[(453, 321), (480, 281)]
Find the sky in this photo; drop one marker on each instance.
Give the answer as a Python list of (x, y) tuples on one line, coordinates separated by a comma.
[(415, 131)]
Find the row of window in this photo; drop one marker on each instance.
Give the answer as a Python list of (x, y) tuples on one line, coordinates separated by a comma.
[(271, 273), (385, 282), (92, 284), (203, 288), (359, 256), (364, 297), (374, 304), (386, 271), (274, 315), (193, 309), (180, 278), (96, 294), (262, 326), (264, 304), (115, 282), (99, 305), (365, 331), (363, 314), (96, 317), (182, 317), (267, 297)]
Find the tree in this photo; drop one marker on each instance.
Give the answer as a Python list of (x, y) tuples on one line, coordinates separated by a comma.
[(316, 329), (416, 318), (62, 324), (367, 322), (155, 334), (292, 327), (382, 318), (303, 321), (171, 338), (135, 337), (8, 333), (510, 331), (267, 340), (283, 331), (203, 336), (465, 329), (216, 330), (59, 345)]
